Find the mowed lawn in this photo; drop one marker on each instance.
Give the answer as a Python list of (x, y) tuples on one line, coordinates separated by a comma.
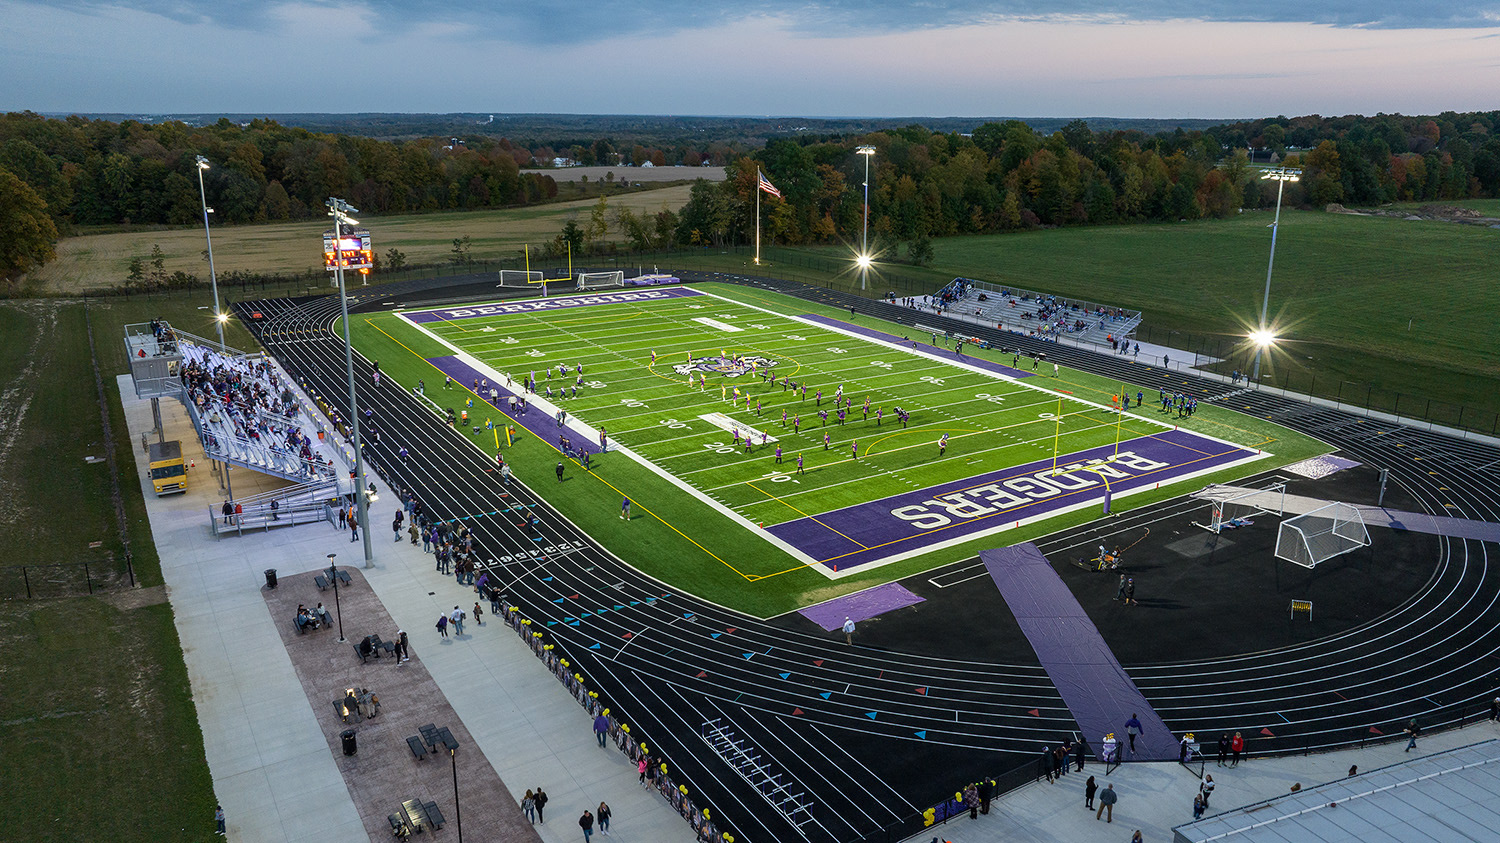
[(991, 422), (95, 261), (682, 539)]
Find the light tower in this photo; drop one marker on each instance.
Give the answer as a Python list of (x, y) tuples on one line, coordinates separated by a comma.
[(1262, 335), (340, 211), (864, 234), (219, 317)]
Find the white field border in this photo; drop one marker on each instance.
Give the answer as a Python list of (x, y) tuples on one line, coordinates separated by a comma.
[(808, 561)]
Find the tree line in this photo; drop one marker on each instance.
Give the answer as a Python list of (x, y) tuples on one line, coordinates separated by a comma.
[(59, 173)]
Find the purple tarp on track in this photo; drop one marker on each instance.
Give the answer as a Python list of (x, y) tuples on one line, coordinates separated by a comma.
[(932, 350), (548, 304), (1098, 692), (535, 420), (860, 606), (869, 532)]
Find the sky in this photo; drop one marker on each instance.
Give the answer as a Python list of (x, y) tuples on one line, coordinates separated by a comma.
[(868, 58)]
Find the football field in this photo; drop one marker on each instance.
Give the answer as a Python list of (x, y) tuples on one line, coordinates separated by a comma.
[(842, 445)]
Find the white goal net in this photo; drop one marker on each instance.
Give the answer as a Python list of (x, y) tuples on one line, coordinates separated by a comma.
[(596, 280), (1232, 507), (520, 278), (1322, 534)]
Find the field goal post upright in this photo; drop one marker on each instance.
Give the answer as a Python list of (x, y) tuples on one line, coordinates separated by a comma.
[(1231, 507), (1317, 536)]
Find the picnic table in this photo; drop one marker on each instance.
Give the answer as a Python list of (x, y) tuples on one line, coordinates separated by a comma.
[(415, 816)]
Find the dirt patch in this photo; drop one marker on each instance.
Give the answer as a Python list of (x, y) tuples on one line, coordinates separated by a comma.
[(134, 598), (16, 394)]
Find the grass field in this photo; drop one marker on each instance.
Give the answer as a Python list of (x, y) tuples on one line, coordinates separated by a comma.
[(102, 260), (100, 727), (686, 537)]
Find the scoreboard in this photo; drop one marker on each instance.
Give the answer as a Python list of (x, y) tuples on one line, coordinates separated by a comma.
[(349, 249)]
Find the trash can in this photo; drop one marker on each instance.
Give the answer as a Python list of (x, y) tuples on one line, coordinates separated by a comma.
[(349, 742), (270, 578)]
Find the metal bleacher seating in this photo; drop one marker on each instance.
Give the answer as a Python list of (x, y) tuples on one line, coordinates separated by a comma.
[(1032, 313)]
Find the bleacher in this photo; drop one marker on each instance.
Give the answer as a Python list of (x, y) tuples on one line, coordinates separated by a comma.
[(247, 413), (1035, 314)]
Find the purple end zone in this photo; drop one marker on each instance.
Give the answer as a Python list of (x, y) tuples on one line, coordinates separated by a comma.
[(544, 305), (536, 421), (1097, 691), (860, 606), (931, 350), (869, 532)]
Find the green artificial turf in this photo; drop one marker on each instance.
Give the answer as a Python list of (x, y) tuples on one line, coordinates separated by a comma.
[(682, 539)]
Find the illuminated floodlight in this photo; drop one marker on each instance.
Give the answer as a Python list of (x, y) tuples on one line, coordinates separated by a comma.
[(864, 230), (863, 261), (202, 163), (1262, 338)]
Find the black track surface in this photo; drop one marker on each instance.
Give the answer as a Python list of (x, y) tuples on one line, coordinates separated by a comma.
[(1417, 622)]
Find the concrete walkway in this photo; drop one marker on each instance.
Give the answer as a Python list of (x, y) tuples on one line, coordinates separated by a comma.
[(1155, 797), (270, 760)]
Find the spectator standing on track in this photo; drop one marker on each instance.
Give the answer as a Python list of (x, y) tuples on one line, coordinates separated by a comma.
[(1120, 590), (559, 472), (1130, 592), (1107, 801), (1236, 746), (848, 632), (1090, 787), (1412, 730)]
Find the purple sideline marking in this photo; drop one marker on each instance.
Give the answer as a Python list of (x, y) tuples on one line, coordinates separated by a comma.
[(869, 532), (860, 606), (541, 425), (1097, 691), (550, 304), (935, 350)]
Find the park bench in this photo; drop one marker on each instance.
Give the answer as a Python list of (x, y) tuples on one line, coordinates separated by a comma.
[(434, 816), (321, 582), (417, 747)]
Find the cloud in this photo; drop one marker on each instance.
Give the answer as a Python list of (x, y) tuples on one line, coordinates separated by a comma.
[(555, 22)]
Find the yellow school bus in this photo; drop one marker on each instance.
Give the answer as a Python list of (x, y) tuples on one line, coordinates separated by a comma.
[(168, 473)]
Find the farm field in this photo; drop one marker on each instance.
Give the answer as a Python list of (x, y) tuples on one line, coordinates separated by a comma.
[(96, 261), (876, 499)]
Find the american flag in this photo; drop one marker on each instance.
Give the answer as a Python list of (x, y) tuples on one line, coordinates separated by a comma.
[(765, 184)]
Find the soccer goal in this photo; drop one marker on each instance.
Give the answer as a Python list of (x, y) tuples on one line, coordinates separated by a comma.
[(1232, 507), (597, 280), (1322, 534), (520, 278)]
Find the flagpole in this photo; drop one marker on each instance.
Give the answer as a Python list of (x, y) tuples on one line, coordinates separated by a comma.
[(757, 216)]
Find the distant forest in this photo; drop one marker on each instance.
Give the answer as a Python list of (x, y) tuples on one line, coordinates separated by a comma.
[(56, 174)]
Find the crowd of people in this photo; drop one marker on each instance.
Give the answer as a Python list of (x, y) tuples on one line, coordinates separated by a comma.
[(246, 411)]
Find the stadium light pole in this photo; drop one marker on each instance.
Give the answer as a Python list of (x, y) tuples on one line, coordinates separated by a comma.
[(212, 276), (1281, 176), (864, 234), (340, 211)]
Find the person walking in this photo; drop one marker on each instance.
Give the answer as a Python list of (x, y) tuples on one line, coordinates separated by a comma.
[(1107, 801), (1132, 728), (1079, 754), (601, 729), (604, 813), (403, 647), (442, 625), (541, 804), (456, 619), (396, 528), (1412, 730), (625, 509), (1206, 788), (353, 530), (1090, 787), (1130, 592), (1044, 764), (849, 632), (1236, 746), (1198, 806), (478, 615), (219, 819), (586, 822), (1120, 589), (528, 806)]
